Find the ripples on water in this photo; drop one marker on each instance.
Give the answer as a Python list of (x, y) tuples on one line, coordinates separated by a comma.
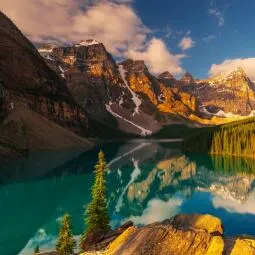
[(147, 182)]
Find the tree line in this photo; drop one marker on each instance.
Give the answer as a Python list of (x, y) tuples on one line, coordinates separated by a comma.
[(235, 139)]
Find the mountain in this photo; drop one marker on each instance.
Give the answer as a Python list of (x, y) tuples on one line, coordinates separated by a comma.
[(187, 78), (230, 94), (125, 96), (33, 97)]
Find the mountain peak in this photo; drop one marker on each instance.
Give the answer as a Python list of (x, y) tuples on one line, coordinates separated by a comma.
[(166, 76), (134, 65), (237, 73), (87, 42), (187, 78)]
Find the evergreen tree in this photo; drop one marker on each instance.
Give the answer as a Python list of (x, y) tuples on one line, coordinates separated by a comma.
[(66, 243), (96, 215), (232, 139), (37, 250)]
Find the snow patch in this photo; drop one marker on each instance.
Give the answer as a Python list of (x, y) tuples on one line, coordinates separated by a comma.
[(161, 97), (45, 50), (144, 131), (226, 115), (62, 72), (121, 101), (223, 114), (137, 101), (87, 43), (134, 175), (203, 109), (139, 147)]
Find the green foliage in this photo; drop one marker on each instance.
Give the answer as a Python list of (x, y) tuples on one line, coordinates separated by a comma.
[(228, 164), (96, 214), (236, 139), (66, 243), (37, 249)]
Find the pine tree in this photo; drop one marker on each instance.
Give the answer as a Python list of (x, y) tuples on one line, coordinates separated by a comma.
[(96, 214), (66, 243), (37, 249)]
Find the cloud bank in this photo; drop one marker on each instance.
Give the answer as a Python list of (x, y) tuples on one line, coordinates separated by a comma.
[(230, 64), (113, 22), (158, 58)]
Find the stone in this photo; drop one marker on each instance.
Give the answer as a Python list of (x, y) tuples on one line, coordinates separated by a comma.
[(180, 235), (209, 223), (240, 245)]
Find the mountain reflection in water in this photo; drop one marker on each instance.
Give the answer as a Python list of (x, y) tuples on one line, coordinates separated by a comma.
[(147, 182)]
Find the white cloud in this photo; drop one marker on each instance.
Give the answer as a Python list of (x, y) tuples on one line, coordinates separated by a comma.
[(218, 15), (248, 64), (186, 43), (209, 38), (157, 210), (233, 206), (113, 22), (158, 58)]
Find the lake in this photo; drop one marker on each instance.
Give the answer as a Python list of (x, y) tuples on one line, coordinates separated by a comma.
[(147, 181)]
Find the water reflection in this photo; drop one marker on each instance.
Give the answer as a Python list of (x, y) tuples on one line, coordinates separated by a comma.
[(147, 182)]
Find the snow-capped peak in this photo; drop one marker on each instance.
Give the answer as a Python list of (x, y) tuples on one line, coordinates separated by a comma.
[(87, 42), (223, 77)]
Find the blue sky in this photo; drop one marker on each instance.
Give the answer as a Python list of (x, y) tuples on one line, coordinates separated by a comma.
[(231, 40), (204, 37)]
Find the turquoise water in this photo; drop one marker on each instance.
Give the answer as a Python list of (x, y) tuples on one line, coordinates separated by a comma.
[(147, 182)]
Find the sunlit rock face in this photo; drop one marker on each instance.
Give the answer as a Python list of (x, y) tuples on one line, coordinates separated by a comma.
[(92, 76), (126, 92), (183, 234), (157, 95), (128, 96), (224, 95)]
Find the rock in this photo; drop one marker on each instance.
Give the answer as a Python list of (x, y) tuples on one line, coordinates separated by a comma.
[(209, 223), (240, 245), (99, 240), (184, 234), (187, 78), (166, 76)]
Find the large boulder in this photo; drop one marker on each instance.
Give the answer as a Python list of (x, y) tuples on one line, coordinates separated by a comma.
[(183, 234), (240, 245)]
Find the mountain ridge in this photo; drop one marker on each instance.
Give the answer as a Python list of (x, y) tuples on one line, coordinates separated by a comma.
[(28, 85)]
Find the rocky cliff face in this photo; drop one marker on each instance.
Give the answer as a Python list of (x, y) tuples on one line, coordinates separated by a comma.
[(25, 78), (128, 97), (126, 93), (225, 95)]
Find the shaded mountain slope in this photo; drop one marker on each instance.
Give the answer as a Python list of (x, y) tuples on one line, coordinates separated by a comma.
[(25, 77), (24, 128), (34, 100)]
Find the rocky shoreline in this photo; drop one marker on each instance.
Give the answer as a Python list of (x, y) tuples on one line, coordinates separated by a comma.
[(183, 234)]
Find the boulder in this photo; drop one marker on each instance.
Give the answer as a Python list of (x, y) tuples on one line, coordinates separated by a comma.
[(240, 245), (183, 234)]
